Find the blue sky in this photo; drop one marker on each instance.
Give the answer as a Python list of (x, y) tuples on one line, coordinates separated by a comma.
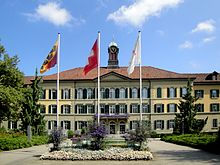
[(177, 35)]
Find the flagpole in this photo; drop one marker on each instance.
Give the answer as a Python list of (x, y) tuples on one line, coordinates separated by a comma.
[(98, 115), (58, 78), (139, 37)]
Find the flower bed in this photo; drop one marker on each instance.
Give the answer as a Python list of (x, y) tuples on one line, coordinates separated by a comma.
[(108, 154)]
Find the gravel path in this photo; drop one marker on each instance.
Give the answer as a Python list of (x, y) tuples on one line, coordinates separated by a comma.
[(164, 154)]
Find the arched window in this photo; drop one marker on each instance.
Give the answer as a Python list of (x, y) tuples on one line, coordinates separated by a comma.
[(102, 93), (89, 93), (159, 92), (134, 93), (172, 92), (112, 93), (145, 93), (84, 93), (122, 93), (79, 93), (106, 93)]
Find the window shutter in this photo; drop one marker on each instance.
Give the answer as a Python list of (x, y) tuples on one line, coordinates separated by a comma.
[(49, 108), (106, 109), (168, 92), (61, 124), (168, 124), (69, 93), (62, 94), (155, 108), (126, 111), (175, 107), (138, 108), (93, 93), (126, 92), (148, 92), (75, 125), (106, 93), (85, 108), (175, 93), (49, 93), (116, 93), (168, 107), (130, 125), (217, 107), (130, 92), (162, 107), (75, 109), (202, 93), (49, 124), (69, 125), (149, 109), (117, 109), (217, 93), (130, 108), (155, 124), (139, 92), (75, 93), (84, 93), (162, 124), (61, 109), (211, 107), (181, 92)]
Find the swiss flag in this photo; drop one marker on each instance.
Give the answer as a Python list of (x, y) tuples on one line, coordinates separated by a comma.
[(92, 59)]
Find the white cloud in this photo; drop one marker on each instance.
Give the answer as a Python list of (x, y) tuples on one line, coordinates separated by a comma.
[(206, 26), (186, 45), (138, 12), (208, 39), (53, 13)]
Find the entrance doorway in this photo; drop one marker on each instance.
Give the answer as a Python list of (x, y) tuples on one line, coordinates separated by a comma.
[(112, 128)]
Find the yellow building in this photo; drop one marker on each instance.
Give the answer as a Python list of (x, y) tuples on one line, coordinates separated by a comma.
[(120, 103)]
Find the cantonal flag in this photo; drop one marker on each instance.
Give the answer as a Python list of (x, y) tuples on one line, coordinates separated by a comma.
[(135, 59), (51, 59), (92, 59)]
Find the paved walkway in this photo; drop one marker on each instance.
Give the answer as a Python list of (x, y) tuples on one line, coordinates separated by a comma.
[(164, 154)]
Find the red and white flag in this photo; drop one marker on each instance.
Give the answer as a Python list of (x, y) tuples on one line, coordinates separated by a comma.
[(135, 59), (92, 59)]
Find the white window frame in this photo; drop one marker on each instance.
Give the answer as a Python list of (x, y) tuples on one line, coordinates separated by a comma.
[(145, 93), (89, 93), (111, 93), (134, 108), (122, 93), (112, 109), (66, 93), (134, 93), (80, 93), (66, 109), (122, 109)]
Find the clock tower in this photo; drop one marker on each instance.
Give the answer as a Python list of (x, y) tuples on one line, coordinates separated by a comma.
[(113, 51)]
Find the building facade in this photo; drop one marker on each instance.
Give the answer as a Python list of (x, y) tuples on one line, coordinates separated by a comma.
[(120, 97)]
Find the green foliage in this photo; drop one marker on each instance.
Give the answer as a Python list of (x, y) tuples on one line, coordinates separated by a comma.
[(70, 133), (185, 121), (11, 141), (138, 136), (202, 141), (11, 83), (30, 113)]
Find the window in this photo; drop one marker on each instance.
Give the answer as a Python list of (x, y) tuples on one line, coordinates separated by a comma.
[(122, 109), (52, 109), (134, 108), (112, 109), (65, 109), (84, 93), (79, 93), (134, 93), (170, 124), (102, 108), (214, 93), (183, 91), (145, 93), (65, 124), (145, 108), (66, 94), (90, 109), (158, 124), (159, 92), (42, 109), (158, 108), (134, 124), (122, 93), (82, 109), (52, 124), (102, 93), (215, 123), (214, 107), (43, 94), (82, 124), (171, 92), (106, 93), (12, 125), (199, 93), (171, 108), (112, 93), (53, 94), (122, 128), (89, 93), (199, 107)]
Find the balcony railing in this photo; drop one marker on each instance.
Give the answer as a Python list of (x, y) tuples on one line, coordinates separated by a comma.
[(113, 116)]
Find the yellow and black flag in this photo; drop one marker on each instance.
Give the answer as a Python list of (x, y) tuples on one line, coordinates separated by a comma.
[(51, 59)]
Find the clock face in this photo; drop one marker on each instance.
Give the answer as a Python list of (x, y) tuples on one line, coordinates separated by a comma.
[(113, 49)]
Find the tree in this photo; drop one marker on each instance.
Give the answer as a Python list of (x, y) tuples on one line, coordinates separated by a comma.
[(30, 113), (185, 121), (11, 84)]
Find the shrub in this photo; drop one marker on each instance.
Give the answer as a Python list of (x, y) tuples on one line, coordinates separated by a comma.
[(70, 133), (56, 138)]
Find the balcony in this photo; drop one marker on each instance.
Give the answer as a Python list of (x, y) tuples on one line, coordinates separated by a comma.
[(113, 116)]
